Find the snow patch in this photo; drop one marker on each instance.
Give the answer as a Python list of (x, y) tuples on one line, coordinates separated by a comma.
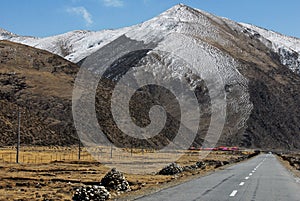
[(287, 47)]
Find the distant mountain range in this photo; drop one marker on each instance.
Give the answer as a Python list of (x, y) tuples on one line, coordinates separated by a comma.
[(260, 70)]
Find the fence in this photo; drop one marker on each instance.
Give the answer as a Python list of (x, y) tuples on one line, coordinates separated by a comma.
[(43, 154)]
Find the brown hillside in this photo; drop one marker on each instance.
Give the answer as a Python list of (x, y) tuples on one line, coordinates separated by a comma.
[(40, 84)]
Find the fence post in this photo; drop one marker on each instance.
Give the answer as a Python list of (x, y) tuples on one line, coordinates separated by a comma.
[(111, 151), (79, 150), (18, 135)]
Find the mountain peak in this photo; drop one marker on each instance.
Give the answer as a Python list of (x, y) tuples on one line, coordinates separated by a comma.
[(6, 33), (183, 13), (179, 8)]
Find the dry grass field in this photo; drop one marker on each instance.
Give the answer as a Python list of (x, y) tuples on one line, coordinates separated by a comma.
[(52, 173)]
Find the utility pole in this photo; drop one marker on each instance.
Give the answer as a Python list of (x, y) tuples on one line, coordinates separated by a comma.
[(18, 137), (79, 148), (111, 151)]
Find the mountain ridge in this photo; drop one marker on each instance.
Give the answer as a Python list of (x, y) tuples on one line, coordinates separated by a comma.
[(78, 44)]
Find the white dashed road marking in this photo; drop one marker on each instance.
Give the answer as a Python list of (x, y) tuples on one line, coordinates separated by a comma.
[(233, 193)]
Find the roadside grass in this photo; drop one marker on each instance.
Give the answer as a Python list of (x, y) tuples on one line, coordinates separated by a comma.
[(54, 172)]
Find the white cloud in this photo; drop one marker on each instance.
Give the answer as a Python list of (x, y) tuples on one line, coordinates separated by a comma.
[(83, 13), (113, 3)]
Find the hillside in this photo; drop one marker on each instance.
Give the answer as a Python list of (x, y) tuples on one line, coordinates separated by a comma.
[(40, 84)]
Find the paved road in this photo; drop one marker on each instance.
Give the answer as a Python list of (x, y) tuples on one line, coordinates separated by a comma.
[(262, 178)]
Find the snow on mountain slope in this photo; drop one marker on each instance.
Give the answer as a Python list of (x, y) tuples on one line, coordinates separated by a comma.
[(6, 34), (277, 38), (77, 45), (174, 19), (287, 47), (73, 46)]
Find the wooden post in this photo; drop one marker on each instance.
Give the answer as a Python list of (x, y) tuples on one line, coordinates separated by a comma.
[(111, 151), (18, 137), (79, 149)]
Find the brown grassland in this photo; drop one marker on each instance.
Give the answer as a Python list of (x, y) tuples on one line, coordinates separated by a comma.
[(53, 173)]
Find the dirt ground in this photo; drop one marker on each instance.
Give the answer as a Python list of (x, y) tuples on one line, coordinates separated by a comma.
[(294, 169), (54, 179)]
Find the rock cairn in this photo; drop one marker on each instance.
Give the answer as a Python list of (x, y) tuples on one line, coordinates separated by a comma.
[(171, 169), (115, 180), (95, 193)]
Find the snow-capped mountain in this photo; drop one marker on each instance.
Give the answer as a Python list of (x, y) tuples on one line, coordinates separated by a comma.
[(73, 46), (235, 69), (189, 44), (76, 45)]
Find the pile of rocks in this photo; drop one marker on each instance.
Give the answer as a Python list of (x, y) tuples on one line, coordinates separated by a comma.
[(171, 169), (214, 163), (189, 167), (174, 168), (115, 180), (200, 164), (95, 193)]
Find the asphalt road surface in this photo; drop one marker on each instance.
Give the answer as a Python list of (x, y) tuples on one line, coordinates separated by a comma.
[(262, 178)]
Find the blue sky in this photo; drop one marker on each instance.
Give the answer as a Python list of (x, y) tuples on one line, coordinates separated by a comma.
[(49, 17)]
